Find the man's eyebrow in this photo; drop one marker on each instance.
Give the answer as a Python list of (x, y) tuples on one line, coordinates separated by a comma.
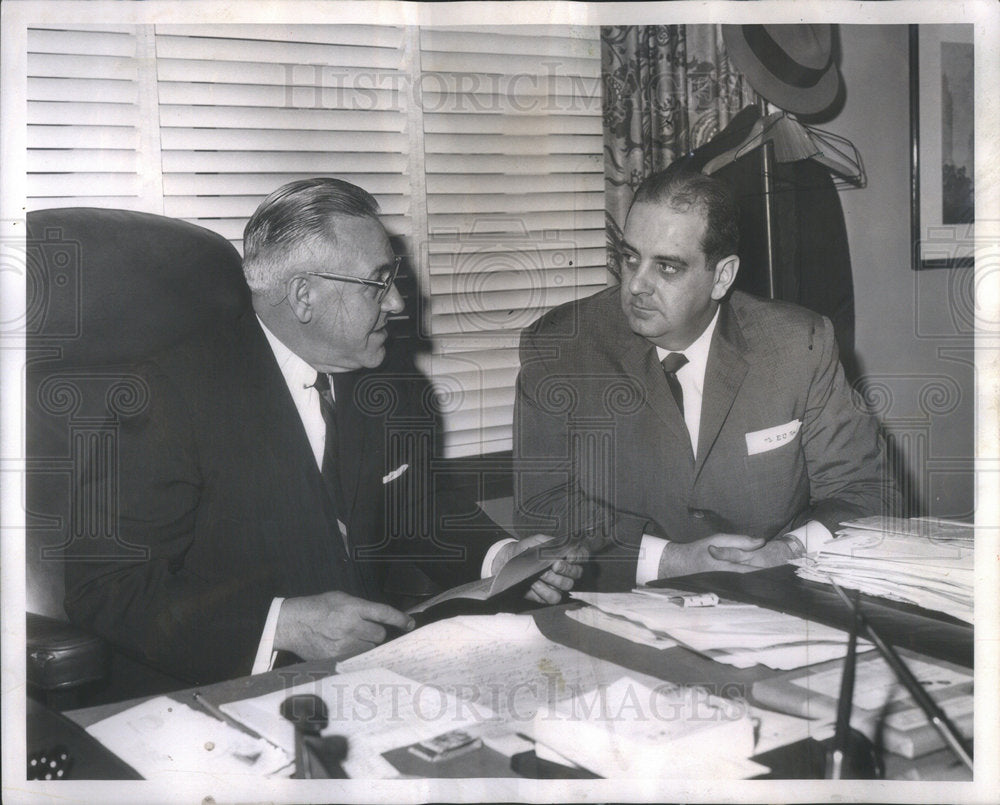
[(673, 259), (386, 266)]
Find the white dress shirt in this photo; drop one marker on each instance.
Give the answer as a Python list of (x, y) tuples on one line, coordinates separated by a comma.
[(301, 377), (691, 377)]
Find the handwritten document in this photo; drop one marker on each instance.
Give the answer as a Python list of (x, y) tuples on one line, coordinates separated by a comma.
[(501, 661)]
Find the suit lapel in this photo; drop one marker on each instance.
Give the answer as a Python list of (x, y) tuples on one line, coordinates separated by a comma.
[(723, 377), (267, 384), (640, 362)]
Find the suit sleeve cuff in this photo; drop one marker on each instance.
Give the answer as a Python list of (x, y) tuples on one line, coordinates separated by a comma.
[(651, 549), (812, 535), (265, 649), (486, 570)]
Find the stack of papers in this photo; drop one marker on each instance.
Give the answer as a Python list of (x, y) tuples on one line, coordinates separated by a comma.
[(921, 561), (736, 634)]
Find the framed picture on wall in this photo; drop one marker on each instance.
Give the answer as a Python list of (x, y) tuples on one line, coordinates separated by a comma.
[(942, 171)]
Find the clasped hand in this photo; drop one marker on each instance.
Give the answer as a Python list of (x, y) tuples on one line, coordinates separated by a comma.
[(736, 553)]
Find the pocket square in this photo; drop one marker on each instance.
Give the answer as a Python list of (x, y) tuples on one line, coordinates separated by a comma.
[(392, 476), (760, 441)]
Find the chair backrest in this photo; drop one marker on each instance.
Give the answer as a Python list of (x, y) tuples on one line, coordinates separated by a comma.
[(105, 288)]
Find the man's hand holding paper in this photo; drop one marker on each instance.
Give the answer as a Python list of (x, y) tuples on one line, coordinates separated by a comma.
[(334, 624), (558, 579)]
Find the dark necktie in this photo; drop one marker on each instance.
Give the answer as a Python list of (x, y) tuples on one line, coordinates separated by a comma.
[(671, 363), (331, 474)]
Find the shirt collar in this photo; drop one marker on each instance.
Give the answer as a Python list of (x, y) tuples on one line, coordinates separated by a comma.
[(697, 351), (297, 373)]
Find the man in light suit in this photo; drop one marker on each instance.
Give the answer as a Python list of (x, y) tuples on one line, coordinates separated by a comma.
[(742, 449), (261, 505)]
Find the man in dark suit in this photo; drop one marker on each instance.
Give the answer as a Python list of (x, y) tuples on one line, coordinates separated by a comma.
[(260, 504), (742, 449)]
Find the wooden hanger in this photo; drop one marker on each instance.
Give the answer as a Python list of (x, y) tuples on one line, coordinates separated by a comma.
[(794, 141)]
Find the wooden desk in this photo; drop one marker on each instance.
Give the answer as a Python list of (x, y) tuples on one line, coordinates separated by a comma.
[(674, 664)]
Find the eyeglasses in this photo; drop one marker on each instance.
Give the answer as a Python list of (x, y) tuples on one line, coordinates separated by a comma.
[(387, 276)]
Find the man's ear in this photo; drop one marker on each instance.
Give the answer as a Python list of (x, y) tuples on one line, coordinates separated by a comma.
[(300, 298), (725, 276)]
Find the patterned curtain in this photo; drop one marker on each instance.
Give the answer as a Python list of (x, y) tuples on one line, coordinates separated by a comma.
[(667, 90)]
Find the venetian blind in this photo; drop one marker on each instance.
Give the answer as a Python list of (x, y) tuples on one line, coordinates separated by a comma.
[(246, 108), (514, 205), (90, 142), (483, 148)]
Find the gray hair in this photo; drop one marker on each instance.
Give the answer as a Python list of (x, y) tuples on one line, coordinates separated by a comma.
[(293, 215)]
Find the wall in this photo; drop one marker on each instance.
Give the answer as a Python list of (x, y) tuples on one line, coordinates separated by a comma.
[(913, 334)]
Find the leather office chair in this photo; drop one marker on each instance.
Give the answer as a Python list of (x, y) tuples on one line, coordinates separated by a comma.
[(104, 289)]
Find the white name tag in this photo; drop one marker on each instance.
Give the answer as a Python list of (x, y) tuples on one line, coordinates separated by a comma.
[(760, 441), (392, 476)]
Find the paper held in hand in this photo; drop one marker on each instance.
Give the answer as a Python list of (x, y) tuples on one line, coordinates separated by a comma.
[(523, 566)]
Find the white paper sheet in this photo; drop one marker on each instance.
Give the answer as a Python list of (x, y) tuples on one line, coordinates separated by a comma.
[(612, 624), (875, 683), (632, 730), (736, 634), (163, 739), (501, 661)]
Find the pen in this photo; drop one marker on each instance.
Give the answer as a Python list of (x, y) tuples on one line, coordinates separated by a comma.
[(931, 709), (215, 711), (841, 738)]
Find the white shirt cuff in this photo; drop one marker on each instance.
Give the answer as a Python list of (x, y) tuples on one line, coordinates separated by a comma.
[(812, 535), (486, 570), (651, 549), (265, 649)]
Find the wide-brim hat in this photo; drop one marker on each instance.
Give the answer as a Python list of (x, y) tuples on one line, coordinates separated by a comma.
[(792, 66)]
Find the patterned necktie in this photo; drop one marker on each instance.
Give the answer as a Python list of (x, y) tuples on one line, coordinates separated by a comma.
[(671, 363)]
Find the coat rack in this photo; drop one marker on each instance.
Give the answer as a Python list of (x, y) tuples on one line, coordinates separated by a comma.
[(782, 138)]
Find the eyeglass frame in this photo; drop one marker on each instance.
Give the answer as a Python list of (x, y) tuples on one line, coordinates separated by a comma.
[(382, 285)]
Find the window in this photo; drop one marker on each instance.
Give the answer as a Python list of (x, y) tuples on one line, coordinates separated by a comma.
[(88, 115), (484, 148)]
